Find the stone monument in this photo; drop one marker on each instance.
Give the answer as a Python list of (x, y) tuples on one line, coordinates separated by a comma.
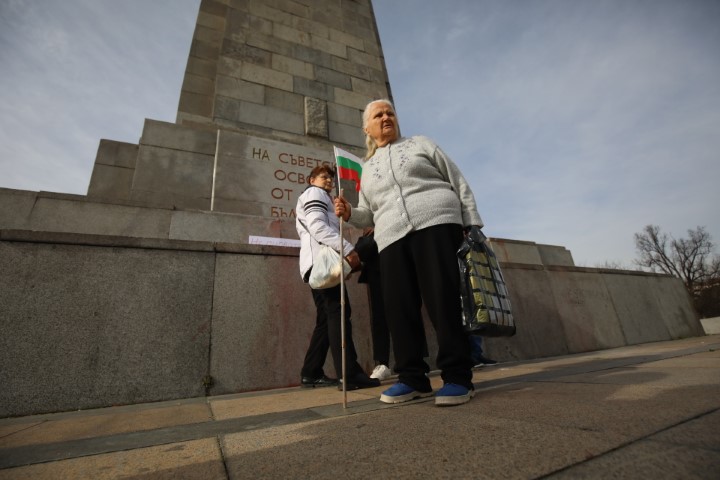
[(151, 286), (269, 88)]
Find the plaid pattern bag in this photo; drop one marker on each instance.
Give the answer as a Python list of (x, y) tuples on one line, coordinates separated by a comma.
[(484, 298)]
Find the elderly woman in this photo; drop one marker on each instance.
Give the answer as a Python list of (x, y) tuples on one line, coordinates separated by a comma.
[(419, 203), (315, 225)]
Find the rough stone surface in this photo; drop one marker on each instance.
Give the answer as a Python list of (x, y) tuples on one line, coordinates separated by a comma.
[(75, 216), (555, 255), (110, 182), (173, 178), (96, 326), (251, 355), (587, 312), (168, 135), (516, 251), (637, 308), (16, 208), (539, 327), (117, 154), (316, 122), (711, 326)]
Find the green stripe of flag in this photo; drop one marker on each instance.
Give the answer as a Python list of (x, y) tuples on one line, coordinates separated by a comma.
[(349, 166)]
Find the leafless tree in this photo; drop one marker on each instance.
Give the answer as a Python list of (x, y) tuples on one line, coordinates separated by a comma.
[(613, 265), (692, 259)]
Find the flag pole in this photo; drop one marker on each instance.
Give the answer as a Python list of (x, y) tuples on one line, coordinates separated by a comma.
[(342, 290)]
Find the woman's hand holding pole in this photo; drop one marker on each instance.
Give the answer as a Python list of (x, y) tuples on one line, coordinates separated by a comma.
[(342, 207)]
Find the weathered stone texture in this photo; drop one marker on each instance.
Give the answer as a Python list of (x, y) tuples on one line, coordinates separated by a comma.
[(162, 134), (196, 104), (111, 182), (101, 326), (231, 87), (342, 114), (316, 120), (310, 88), (346, 134), (292, 66), (292, 102)]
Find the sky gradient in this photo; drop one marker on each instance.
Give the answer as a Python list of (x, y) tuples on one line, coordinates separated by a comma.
[(577, 122)]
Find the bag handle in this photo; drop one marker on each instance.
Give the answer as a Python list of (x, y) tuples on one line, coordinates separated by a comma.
[(311, 235)]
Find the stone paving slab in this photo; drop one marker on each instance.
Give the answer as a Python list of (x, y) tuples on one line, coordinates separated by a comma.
[(648, 459), (412, 441), (104, 422), (648, 411), (199, 459), (231, 406)]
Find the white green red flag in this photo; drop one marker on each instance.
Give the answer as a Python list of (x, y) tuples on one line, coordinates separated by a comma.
[(349, 166)]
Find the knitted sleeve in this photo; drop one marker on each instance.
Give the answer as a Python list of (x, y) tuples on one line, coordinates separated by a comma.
[(361, 216), (462, 189)]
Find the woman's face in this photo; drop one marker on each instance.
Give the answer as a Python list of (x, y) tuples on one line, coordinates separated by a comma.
[(381, 124), (324, 181)]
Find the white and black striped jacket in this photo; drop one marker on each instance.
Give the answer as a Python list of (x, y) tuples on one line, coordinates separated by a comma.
[(316, 212)]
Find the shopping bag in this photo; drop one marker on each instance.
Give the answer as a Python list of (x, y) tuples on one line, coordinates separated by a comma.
[(483, 294), (326, 269)]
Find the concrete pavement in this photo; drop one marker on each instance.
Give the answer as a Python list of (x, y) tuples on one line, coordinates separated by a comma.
[(644, 411)]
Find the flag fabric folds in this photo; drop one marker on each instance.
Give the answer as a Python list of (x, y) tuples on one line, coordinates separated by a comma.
[(349, 166)]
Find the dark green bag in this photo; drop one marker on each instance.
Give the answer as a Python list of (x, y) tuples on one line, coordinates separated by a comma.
[(484, 297)]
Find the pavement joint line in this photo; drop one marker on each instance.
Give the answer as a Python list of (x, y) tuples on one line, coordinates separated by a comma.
[(599, 366), (221, 449), (32, 454), (644, 438), (42, 453), (101, 411)]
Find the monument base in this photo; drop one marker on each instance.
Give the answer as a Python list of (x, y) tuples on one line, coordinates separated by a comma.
[(106, 304)]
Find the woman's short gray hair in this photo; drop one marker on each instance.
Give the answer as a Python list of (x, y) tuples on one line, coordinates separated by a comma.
[(369, 142)]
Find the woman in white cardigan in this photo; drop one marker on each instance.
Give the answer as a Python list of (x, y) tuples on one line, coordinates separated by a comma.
[(419, 204)]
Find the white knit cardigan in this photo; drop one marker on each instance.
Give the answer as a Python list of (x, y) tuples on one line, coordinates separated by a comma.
[(409, 185)]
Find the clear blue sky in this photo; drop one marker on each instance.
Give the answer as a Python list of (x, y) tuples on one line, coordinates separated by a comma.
[(577, 122)]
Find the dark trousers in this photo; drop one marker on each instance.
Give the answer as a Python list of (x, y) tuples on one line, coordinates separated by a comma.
[(378, 325), (327, 335), (370, 275), (423, 267)]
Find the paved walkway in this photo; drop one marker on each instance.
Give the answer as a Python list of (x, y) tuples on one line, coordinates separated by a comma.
[(648, 411)]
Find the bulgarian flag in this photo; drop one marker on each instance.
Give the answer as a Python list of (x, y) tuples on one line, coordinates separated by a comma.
[(349, 166)]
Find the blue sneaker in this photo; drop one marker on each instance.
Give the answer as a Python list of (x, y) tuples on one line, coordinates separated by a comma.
[(453, 394), (400, 392)]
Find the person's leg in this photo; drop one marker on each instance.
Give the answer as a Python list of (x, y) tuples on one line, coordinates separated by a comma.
[(357, 378), (434, 250), (478, 357), (402, 311), (332, 307), (378, 323), (476, 351), (319, 342)]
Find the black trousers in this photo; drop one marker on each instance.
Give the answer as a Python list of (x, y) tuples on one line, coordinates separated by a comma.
[(370, 275), (423, 267), (328, 335), (378, 325)]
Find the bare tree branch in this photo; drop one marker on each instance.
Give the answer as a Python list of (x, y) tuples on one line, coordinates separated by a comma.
[(689, 259)]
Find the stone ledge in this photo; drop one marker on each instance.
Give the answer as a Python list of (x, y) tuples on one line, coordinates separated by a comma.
[(562, 268), (30, 236)]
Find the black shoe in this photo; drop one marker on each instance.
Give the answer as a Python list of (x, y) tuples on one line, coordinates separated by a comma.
[(309, 382), (480, 361), (360, 380)]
